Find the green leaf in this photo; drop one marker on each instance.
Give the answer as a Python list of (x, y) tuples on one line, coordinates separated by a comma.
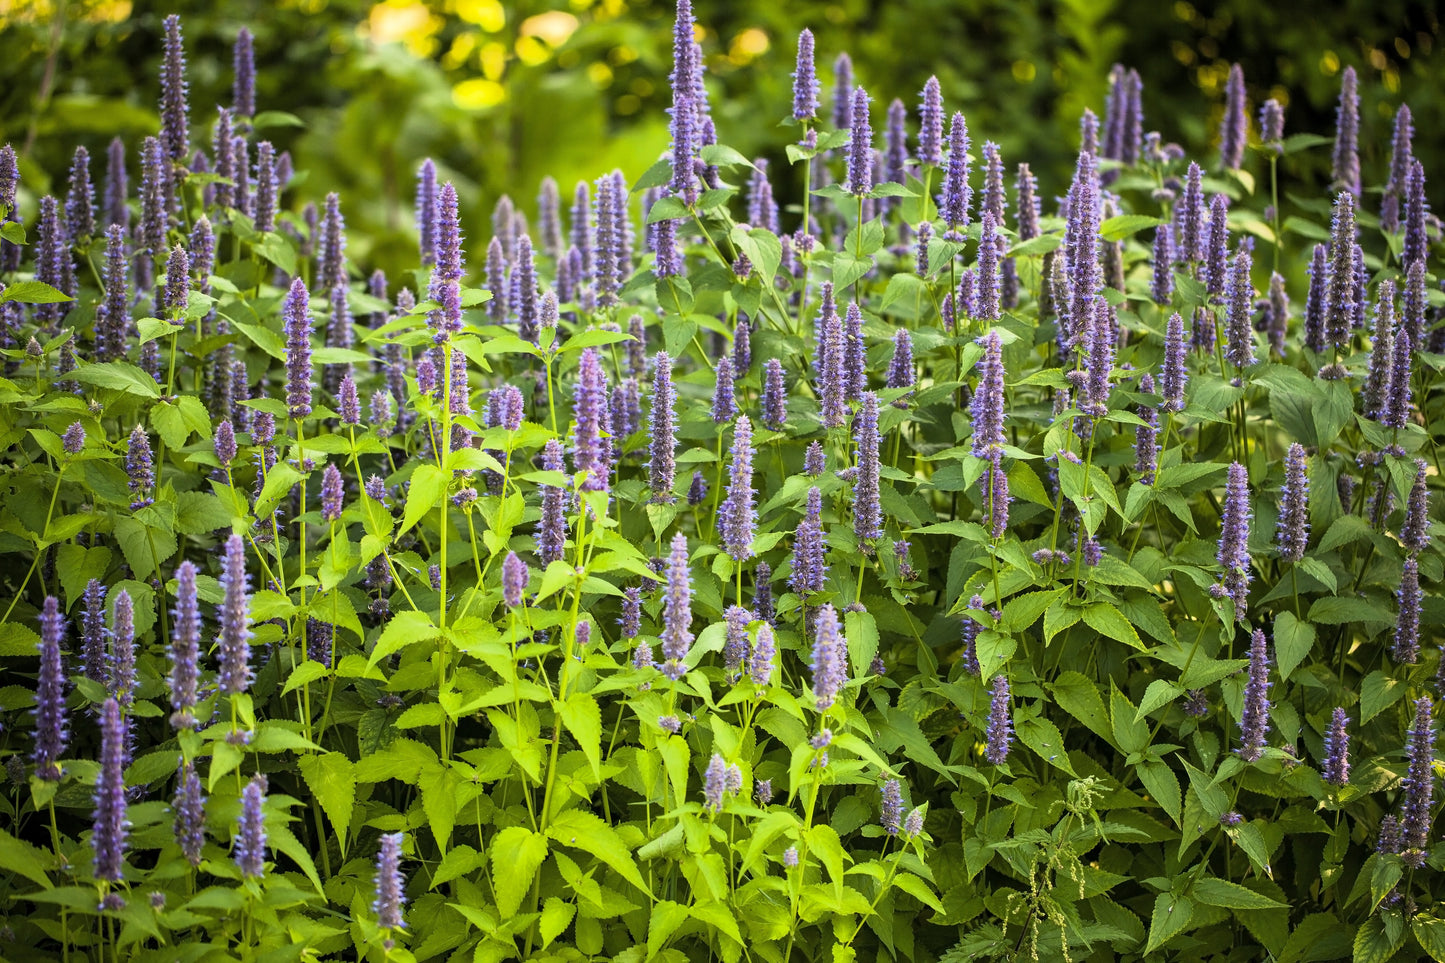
[(1293, 641), (118, 375), (21, 857), (280, 479), (556, 917), (1338, 610), (1022, 611), (824, 843), (861, 631), (1077, 695), (332, 780), (33, 292), (587, 832), (1163, 785), (517, 854), (1377, 693), (1130, 733), (1161, 692), (428, 487), (1374, 943), (1043, 737), (847, 269), (1110, 622), (1171, 915), (1429, 932), (438, 787), (1121, 226), (1220, 892), (308, 671), (404, 628), (665, 919), (458, 861), (583, 718)]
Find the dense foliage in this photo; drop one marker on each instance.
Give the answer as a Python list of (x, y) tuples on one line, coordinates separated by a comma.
[(910, 575)]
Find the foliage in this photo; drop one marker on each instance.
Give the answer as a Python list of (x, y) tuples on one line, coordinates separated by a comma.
[(1052, 684)]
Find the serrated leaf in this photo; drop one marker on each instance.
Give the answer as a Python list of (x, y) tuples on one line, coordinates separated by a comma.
[(1161, 692), (583, 718), (428, 486), (517, 854), (1293, 641), (21, 857), (1077, 695), (556, 917), (1219, 892), (1043, 737), (1163, 785), (1171, 915), (1374, 942), (1110, 622), (117, 375), (33, 292), (457, 861), (332, 780), (1378, 692), (589, 833), (404, 628)]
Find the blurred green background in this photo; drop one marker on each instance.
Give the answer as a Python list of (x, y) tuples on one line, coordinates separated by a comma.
[(500, 94)]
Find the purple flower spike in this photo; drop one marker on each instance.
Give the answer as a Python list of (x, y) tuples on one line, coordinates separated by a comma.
[(735, 642), (514, 579), (1233, 552), (1401, 155), (52, 733), (986, 407), (714, 783), (113, 326), (243, 84), (117, 187), (814, 459), (1336, 768), (842, 91), (73, 441), (331, 252), (1000, 724), (80, 198), (1271, 125), (248, 847), (185, 649), (234, 614), (900, 369), (1146, 443), (805, 79), (1175, 373), (1293, 533), (390, 886), (724, 399), (1417, 211), (677, 610), (631, 609), (867, 509), (953, 203), (333, 494), (930, 124), (1162, 287), (94, 634), (551, 534), (1419, 780), (121, 680), (110, 827), (295, 311), (1217, 247), (1239, 330), (1339, 305), (990, 247), (686, 82), (696, 489), (189, 808), (737, 517), (175, 115), (996, 496), (1345, 162), (1396, 411), (774, 399), (589, 448), (809, 547), (1254, 723), (426, 211), (830, 658), (860, 147), (892, 810), (855, 353), (1406, 647), (1315, 300), (662, 471), (1234, 128), (1414, 533), (1189, 217), (139, 468), (760, 660)]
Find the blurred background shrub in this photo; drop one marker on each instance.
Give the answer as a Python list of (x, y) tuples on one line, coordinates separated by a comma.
[(501, 94)]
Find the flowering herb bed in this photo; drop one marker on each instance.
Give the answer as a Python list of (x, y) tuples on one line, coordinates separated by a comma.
[(930, 579)]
